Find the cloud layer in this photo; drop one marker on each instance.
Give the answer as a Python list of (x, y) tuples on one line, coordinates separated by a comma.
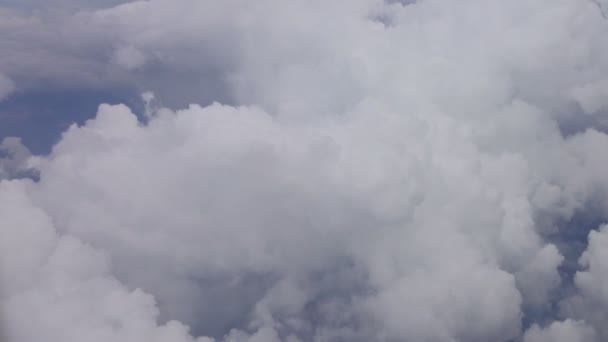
[(399, 171)]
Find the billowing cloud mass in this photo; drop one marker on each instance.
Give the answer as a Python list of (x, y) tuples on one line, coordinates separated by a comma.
[(364, 170)]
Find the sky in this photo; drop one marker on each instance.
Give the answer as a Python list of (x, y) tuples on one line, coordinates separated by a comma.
[(304, 170)]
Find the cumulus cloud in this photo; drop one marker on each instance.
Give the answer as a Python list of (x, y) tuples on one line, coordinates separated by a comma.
[(568, 330), (14, 157), (595, 262), (409, 178), (59, 289)]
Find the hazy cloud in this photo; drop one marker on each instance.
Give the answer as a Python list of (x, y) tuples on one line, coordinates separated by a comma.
[(7, 86)]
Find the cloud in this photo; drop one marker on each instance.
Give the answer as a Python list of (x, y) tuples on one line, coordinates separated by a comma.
[(592, 259), (89, 49), (7, 86), (16, 158), (255, 186), (129, 57), (567, 330), (591, 97), (590, 302), (59, 5), (60, 288), (404, 179)]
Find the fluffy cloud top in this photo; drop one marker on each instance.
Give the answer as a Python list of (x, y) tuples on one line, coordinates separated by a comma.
[(399, 171), (572, 331)]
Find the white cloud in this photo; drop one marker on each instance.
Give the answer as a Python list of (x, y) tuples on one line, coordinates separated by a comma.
[(250, 199), (566, 331), (383, 182), (591, 280), (591, 301), (60, 289)]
